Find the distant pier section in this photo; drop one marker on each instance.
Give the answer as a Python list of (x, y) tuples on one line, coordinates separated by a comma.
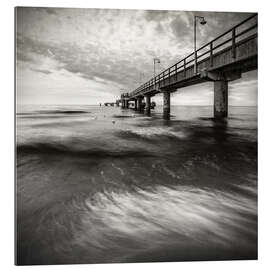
[(220, 61)]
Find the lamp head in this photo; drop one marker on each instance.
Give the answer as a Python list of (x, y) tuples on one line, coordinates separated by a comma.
[(203, 22)]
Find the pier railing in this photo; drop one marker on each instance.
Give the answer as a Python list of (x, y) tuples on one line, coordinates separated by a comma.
[(191, 63)]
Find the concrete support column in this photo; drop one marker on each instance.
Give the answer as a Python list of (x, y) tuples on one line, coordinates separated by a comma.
[(166, 105), (220, 99), (139, 104), (148, 105), (122, 103), (127, 104), (135, 104)]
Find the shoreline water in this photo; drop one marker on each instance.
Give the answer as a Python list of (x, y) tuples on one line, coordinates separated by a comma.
[(109, 185)]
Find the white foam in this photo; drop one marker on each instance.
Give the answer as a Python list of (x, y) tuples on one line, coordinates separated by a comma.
[(182, 212), (149, 132)]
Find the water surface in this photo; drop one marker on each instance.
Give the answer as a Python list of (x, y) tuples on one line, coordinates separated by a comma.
[(101, 184)]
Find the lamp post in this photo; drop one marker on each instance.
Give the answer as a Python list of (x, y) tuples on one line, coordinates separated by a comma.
[(141, 77), (156, 60), (202, 22)]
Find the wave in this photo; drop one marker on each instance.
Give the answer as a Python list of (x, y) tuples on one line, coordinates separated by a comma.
[(152, 132), (68, 111), (98, 152), (53, 112), (123, 116), (142, 225)]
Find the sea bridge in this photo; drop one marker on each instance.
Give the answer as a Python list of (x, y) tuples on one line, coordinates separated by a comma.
[(220, 61)]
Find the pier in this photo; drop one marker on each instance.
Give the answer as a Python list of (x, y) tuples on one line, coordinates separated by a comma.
[(220, 61)]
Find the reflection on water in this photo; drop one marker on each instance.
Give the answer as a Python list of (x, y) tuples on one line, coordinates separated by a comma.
[(104, 185)]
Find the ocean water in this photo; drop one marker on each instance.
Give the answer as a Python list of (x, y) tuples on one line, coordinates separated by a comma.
[(102, 185)]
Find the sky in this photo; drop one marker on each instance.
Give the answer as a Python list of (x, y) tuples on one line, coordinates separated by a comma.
[(88, 56)]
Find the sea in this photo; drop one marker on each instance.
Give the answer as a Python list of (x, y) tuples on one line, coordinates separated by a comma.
[(97, 184)]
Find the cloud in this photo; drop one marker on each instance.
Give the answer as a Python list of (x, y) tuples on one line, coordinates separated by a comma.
[(44, 71), (51, 11), (179, 28), (107, 49), (156, 15)]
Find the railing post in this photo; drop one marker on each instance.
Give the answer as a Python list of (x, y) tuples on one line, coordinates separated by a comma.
[(169, 75), (185, 67), (211, 54), (233, 44), (195, 62), (163, 75), (175, 72)]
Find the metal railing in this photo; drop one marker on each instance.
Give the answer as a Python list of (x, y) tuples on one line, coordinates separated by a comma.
[(235, 34)]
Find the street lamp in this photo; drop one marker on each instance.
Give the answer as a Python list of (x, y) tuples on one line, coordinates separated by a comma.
[(156, 60), (202, 22)]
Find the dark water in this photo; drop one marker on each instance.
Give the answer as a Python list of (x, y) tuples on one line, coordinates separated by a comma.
[(100, 185)]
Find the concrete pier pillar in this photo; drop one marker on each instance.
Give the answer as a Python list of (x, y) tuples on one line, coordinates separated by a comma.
[(220, 99), (148, 105), (139, 104), (122, 103), (127, 104), (135, 104), (166, 105)]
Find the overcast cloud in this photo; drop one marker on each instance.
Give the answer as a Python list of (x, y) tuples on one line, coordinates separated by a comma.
[(87, 56)]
